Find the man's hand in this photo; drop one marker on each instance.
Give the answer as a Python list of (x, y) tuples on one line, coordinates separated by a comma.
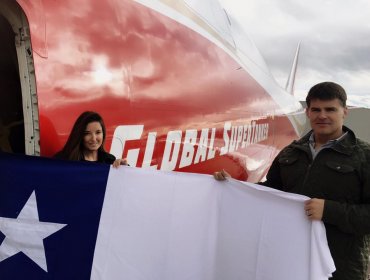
[(221, 175), (314, 208)]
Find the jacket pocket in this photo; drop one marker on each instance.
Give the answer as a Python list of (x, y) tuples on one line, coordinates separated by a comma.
[(292, 172), (341, 182), (286, 161), (341, 168)]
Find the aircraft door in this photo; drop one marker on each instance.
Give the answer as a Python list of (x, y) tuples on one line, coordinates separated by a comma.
[(11, 112), (18, 103)]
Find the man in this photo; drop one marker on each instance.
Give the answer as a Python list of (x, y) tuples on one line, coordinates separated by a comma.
[(331, 166)]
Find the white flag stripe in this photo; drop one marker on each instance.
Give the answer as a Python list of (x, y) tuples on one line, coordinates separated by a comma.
[(167, 225)]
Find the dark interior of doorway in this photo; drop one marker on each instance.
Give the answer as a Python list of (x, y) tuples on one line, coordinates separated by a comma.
[(12, 136)]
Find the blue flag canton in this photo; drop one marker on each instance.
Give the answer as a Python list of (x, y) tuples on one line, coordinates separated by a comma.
[(69, 193)]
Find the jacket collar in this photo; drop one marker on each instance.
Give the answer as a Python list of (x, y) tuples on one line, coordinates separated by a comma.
[(345, 146)]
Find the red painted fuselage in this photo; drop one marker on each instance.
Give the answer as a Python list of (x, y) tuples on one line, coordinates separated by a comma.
[(171, 98)]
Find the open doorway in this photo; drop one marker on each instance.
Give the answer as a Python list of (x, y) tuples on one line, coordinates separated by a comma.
[(11, 111), (19, 131)]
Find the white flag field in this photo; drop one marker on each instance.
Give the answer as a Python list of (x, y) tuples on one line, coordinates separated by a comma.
[(179, 226)]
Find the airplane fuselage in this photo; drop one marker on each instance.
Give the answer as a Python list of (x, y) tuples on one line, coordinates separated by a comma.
[(171, 97)]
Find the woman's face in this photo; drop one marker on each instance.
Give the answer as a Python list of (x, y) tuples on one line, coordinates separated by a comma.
[(93, 136)]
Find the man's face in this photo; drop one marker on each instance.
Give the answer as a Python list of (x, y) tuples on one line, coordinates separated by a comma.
[(326, 118)]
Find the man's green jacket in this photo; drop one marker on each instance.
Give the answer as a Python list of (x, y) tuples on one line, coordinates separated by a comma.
[(340, 175)]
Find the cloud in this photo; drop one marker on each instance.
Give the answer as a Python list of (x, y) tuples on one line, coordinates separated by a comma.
[(334, 36)]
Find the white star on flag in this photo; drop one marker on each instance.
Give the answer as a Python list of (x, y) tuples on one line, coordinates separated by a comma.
[(26, 233)]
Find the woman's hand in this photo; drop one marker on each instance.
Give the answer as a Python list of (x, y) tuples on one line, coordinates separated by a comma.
[(221, 175), (119, 161)]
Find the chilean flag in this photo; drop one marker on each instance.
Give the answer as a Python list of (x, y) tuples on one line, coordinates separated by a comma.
[(81, 220)]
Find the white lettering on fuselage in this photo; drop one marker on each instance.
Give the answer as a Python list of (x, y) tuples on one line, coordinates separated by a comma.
[(186, 149)]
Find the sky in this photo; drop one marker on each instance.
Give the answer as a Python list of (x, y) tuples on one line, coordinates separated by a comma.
[(334, 36)]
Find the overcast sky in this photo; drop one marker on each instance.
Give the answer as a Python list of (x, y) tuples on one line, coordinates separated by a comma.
[(334, 36)]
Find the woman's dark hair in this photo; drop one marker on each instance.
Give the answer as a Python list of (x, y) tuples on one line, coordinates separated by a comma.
[(73, 149), (327, 91)]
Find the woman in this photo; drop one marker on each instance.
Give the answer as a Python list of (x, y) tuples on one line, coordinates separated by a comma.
[(86, 141)]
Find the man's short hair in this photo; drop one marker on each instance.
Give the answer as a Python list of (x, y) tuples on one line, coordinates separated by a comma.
[(327, 91)]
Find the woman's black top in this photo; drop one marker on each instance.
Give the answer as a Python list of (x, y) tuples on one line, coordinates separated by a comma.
[(103, 157)]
